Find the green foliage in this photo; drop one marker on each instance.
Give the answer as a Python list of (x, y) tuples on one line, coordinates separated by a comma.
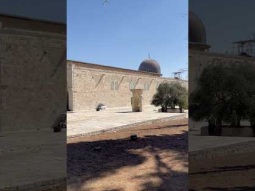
[(170, 95), (225, 93)]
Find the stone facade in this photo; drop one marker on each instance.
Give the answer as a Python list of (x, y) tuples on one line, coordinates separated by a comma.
[(33, 73), (91, 84)]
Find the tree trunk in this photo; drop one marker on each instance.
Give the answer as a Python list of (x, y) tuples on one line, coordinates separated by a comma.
[(211, 127), (233, 124), (238, 122), (163, 109), (218, 127), (253, 129), (181, 110)]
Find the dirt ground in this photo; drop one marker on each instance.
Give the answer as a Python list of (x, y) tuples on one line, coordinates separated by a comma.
[(157, 161), (232, 173)]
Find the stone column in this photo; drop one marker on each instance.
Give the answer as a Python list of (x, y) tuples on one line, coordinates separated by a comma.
[(136, 100)]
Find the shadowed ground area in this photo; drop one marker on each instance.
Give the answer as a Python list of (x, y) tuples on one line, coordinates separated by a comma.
[(156, 161), (230, 173)]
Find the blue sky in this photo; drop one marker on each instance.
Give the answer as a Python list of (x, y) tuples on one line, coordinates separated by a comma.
[(51, 10), (225, 22), (122, 33)]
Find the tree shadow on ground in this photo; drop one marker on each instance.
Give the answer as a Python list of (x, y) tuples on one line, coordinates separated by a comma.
[(171, 180), (84, 162)]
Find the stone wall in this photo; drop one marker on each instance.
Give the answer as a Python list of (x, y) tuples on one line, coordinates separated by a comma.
[(90, 84), (33, 73)]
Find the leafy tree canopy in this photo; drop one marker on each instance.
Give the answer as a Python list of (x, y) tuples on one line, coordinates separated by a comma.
[(171, 95), (224, 93)]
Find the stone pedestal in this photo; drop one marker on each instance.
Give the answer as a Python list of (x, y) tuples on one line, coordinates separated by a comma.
[(136, 100)]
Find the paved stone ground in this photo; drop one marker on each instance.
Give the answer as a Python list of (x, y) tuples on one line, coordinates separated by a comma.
[(33, 160), (220, 163), (200, 145), (84, 122)]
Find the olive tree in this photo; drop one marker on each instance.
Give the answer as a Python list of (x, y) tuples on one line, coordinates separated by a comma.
[(223, 95), (170, 95)]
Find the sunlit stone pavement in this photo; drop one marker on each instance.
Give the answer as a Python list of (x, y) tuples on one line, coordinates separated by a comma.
[(84, 122)]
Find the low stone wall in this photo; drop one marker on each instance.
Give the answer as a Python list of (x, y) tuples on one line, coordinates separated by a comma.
[(222, 151), (238, 132), (231, 132), (204, 131), (176, 110)]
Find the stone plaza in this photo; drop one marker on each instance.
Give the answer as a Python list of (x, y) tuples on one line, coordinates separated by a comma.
[(95, 122)]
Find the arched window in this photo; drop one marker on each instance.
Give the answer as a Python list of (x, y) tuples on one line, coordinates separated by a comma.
[(146, 86), (114, 85), (132, 85)]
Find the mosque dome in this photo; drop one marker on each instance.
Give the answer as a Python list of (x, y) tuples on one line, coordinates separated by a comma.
[(197, 33), (150, 65)]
